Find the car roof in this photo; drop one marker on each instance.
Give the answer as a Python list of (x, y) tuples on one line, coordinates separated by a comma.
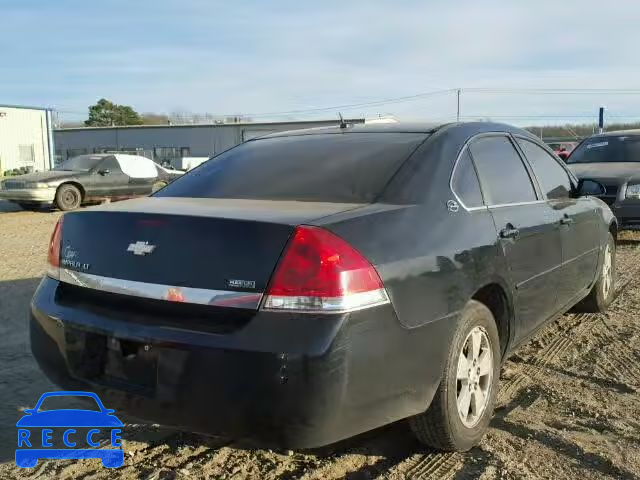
[(104, 155), (127, 155), (397, 127)]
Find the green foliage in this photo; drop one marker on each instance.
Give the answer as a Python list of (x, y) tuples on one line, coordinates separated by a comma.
[(106, 114), (155, 119)]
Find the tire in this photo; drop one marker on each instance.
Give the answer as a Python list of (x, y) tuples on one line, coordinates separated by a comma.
[(442, 426), (157, 186), (68, 197), (603, 291)]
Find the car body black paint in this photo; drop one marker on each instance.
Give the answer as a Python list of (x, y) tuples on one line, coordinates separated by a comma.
[(305, 380), (615, 167)]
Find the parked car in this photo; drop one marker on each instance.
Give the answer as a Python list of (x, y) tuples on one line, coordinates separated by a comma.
[(563, 149), (88, 179), (613, 159), (307, 286)]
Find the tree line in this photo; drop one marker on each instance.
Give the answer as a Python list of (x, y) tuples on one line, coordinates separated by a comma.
[(106, 113)]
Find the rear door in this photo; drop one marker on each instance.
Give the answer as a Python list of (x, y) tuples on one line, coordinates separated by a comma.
[(107, 180), (527, 227), (578, 222), (141, 171)]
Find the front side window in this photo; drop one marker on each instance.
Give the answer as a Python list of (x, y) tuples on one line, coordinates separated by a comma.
[(503, 176), (109, 163), (553, 179), (81, 163), (465, 182)]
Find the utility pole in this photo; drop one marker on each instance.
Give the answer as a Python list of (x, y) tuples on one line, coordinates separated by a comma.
[(458, 91), (601, 120)]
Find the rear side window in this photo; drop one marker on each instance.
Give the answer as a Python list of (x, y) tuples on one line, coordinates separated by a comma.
[(465, 182), (503, 176), (347, 167), (553, 179), (137, 167)]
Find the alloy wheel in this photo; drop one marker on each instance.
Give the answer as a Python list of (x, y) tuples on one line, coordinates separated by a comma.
[(607, 272), (474, 377)]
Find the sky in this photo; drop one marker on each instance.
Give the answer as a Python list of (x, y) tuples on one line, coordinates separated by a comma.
[(261, 58)]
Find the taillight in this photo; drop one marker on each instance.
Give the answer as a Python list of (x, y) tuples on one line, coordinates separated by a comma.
[(53, 259), (320, 272)]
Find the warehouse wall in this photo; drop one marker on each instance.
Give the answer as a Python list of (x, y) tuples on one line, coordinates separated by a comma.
[(200, 140), (24, 139)]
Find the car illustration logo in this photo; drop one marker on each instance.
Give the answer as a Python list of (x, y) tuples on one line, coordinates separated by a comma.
[(141, 248), (38, 429)]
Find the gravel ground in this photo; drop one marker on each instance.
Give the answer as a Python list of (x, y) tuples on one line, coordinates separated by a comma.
[(569, 404)]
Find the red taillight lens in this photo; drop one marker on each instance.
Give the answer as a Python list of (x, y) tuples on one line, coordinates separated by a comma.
[(321, 272), (55, 245)]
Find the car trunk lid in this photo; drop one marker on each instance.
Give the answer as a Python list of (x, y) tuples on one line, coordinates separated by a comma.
[(201, 251)]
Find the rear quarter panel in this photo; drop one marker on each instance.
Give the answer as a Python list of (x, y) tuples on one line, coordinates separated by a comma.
[(431, 261)]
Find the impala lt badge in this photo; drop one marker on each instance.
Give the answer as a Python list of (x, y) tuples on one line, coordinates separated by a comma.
[(141, 248)]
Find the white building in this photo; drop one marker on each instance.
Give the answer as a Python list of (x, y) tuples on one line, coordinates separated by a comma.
[(26, 138)]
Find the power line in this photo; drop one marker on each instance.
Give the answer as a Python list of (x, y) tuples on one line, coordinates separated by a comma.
[(554, 91), (374, 103), (409, 98)]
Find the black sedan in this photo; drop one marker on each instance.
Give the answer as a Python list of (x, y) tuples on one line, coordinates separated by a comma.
[(613, 158), (307, 286), (88, 179)]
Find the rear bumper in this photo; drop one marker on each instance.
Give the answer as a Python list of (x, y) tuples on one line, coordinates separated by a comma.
[(36, 195), (284, 380)]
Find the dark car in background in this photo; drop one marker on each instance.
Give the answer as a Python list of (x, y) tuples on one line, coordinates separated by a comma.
[(613, 158), (308, 286), (87, 179)]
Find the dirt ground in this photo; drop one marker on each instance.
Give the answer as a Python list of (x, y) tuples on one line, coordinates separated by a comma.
[(569, 402)]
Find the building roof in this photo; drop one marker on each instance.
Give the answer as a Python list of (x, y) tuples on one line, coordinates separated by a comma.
[(207, 125), (25, 107)]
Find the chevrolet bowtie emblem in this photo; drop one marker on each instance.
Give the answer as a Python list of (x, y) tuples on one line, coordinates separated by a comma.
[(141, 248)]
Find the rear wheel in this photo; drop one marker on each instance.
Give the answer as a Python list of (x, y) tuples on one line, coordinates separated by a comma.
[(463, 404), (603, 291), (68, 197)]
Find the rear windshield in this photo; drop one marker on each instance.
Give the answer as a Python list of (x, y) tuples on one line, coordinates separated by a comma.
[(348, 168), (607, 149)]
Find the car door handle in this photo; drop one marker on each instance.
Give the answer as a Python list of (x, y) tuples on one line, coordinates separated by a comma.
[(566, 220), (509, 232)]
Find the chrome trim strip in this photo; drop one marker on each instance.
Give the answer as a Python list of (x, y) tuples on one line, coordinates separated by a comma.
[(485, 207), (517, 204), (578, 257), (168, 293)]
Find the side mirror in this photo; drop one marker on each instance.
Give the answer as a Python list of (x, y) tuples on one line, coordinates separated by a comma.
[(588, 187), (104, 172)]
